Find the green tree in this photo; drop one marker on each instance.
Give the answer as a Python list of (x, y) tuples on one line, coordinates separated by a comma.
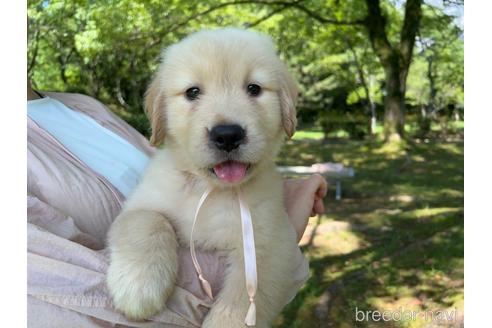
[(345, 54)]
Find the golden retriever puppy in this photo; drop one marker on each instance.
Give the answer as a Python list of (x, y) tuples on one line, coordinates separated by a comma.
[(223, 102)]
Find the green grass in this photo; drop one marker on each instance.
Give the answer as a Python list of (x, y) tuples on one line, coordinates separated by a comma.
[(318, 134), (305, 134), (401, 241), (411, 128)]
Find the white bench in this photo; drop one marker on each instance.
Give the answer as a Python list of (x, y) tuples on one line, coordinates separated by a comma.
[(335, 171)]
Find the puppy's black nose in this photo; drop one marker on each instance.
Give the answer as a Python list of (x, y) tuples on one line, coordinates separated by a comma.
[(227, 137)]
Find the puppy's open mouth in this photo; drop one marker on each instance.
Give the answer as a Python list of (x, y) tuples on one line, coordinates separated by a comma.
[(230, 171)]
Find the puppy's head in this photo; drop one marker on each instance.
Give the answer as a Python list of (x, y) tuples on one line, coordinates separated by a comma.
[(223, 101)]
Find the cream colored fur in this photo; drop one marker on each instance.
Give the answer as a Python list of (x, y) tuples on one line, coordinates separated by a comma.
[(144, 238)]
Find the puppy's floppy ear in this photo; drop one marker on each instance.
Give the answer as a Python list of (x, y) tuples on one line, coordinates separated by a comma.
[(154, 108), (288, 98)]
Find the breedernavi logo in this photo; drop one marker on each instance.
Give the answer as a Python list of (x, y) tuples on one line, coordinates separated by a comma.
[(406, 315)]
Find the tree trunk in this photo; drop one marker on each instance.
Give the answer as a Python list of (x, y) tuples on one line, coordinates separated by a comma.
[(395, 60), (394, 107), (429, 111)]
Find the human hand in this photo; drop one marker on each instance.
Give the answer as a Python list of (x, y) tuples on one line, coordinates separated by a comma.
[(304, 198)]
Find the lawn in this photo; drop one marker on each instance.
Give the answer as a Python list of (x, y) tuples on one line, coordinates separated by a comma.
[(393, 243)]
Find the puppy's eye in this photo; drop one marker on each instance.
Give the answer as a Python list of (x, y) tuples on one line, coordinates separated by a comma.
[(254, 90), (192, 93)]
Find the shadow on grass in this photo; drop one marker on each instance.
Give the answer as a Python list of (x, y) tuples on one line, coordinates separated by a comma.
[(410, 205)]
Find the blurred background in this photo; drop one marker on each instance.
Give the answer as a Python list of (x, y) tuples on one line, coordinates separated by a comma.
[(381, 92)]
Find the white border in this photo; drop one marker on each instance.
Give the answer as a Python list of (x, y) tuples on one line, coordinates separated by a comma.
[(13, 160), (478, 168), (477, 163)]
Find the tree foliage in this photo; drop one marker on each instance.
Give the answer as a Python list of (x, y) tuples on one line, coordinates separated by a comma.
[(109, 49)]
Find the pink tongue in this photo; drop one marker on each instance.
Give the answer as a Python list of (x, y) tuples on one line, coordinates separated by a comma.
[(230, 171)]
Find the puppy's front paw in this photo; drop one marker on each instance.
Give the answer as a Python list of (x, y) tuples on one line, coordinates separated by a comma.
[(144, 263), (138, 292)]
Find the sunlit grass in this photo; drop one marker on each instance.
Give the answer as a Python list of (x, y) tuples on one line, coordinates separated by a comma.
[(319, 135), (411, 128), (306, 134)]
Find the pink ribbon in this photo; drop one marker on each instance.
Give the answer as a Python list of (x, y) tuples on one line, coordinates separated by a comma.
[(249, 258), (249, 253), (205, 284)]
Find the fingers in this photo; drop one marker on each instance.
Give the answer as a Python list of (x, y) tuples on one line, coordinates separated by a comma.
[(320, 185), (319, 206), (318, 188), (309, 191)]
